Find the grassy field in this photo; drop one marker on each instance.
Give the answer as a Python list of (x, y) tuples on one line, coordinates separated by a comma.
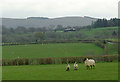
[(51, 50), (99, 32), (116, 39), (103, 71), (112, 48)]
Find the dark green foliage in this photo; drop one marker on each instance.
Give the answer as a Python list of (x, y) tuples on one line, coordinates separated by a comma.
[(100, 23), (100, 43), (106, 23)]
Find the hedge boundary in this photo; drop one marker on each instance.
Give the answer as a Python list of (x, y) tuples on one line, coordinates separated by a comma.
[(60, 60)]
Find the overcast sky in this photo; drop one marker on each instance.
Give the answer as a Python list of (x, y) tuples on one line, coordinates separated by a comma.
[(59, 8)]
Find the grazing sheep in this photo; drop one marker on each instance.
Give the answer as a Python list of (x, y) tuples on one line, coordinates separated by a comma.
[(89, 63), (75, 66), (68, 67)]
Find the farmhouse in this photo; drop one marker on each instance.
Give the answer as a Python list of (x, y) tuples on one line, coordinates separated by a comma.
[(71, 29)]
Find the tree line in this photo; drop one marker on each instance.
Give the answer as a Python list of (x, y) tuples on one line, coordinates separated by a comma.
[(106, 23)]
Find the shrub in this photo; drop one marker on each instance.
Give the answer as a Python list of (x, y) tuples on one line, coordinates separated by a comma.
[(26, 61), (9, 62), (63, 60), (71, 59), (48, 60), (20, 61), (42, 60), (100, 44), (15, 61)]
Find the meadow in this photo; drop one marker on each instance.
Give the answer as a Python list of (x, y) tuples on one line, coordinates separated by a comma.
[(51, 50), (103, 71)]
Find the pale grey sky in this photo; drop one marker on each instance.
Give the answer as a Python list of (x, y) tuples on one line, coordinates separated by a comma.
[(59, 8)]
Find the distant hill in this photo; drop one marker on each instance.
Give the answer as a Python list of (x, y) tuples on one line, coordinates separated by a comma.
[(47, 22), (37, 18)]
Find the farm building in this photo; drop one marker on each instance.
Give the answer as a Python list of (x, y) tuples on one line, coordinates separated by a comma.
[(71, 29)]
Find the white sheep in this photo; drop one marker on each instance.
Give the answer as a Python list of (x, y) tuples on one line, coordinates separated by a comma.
[(68, 67), (89, 63), (75, 66)]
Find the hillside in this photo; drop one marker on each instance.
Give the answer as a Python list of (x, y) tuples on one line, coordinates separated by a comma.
[(47, 22)]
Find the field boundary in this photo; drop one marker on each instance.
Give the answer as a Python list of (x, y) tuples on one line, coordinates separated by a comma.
[(57, 60), (59, 41)]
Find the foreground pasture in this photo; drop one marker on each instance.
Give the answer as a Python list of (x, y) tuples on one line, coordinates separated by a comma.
[(103, 71)]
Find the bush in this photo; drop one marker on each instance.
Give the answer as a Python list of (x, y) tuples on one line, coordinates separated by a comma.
[(49, 61), (100, 44), (64, 60), (42, 61), (20, 61), (15, 62), (9, 62), (26, 61)]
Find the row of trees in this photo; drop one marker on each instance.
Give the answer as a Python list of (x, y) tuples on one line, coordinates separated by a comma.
[(21, 29), (105, 23)]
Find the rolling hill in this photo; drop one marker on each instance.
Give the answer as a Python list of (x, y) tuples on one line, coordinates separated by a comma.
[(47, 22)]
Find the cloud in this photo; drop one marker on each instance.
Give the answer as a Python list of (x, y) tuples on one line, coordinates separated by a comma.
[(56, 8)]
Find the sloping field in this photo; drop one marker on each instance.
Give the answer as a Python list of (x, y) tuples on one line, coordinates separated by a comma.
[(51, 50)]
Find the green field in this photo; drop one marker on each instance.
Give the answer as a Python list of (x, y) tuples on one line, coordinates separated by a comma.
[(103, 71), (99, 32), (51, 50), (94, 33)]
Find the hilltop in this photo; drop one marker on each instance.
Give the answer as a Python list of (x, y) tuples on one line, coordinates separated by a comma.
[(47, 22)]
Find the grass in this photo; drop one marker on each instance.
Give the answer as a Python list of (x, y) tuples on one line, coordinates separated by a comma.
[(112, 48), (114, 39), (94, 33), (99, 32), (51, 50), (103, 71)]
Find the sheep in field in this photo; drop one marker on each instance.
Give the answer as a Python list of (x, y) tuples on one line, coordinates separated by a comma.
[(89, 63), (75, 66), (68, 67)]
